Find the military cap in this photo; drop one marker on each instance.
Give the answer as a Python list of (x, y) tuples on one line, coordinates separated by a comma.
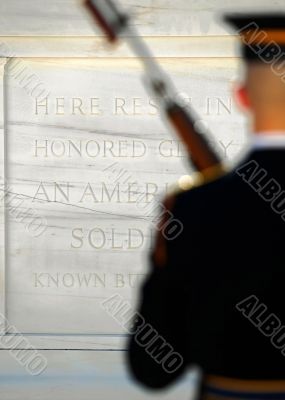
[(262, 35)]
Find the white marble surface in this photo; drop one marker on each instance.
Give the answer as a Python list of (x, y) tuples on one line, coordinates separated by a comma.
[(74, 375), (2, 209), (95, 47), (152, 17)]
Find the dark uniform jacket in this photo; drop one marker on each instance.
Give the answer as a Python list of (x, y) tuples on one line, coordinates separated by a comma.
[(219, 298)]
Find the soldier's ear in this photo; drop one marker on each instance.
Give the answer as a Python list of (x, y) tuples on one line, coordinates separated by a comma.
[(242, 97)]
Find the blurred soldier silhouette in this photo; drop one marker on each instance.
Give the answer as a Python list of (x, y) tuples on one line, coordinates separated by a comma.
[(215, 294)]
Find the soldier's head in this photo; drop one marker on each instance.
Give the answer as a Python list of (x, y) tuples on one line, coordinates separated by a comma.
[(262, 92)]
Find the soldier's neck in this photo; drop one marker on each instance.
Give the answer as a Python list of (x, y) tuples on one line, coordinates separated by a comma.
[(271, 125)]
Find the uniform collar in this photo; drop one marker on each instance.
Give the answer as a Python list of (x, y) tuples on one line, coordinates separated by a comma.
[(268, 140)]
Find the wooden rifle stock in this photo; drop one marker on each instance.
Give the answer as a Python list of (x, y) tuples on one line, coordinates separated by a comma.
[(201, 154)]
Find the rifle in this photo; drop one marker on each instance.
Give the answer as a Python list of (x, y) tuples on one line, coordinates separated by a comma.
[(115, 24)]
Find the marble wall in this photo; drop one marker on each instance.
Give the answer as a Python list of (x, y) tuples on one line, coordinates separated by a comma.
[(82, 142), (82, 158)]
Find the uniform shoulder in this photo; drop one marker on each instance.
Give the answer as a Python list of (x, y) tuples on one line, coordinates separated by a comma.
[(205, 190)]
